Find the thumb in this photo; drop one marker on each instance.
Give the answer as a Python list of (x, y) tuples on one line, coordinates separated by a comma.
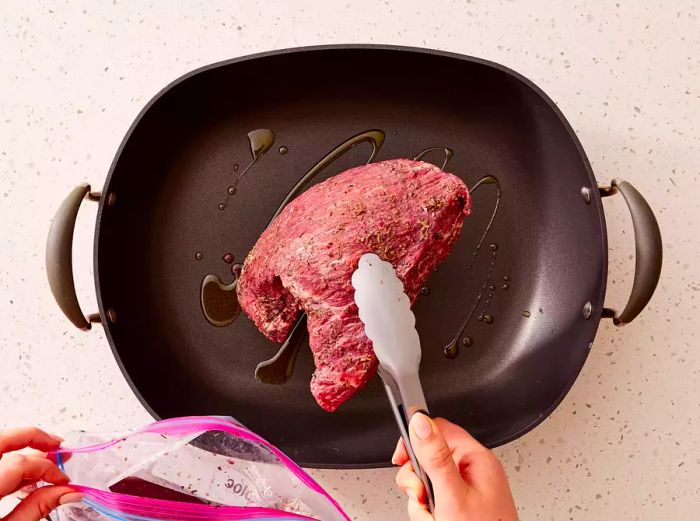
[(41, 502), (435, 456)]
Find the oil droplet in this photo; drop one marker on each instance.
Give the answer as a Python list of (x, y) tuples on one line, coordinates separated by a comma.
[(506, 278), (451, 351), (467, 341), (425, 290), (526, 314), (236, 269), (219, 301), (480, 317), (261, 140), (505, 286), (278, 369), (489, 179), (199, 255), (488, 319), (283, 150), (493, 246), (228, 258), (492, 288), (447, 152), (490, 295)]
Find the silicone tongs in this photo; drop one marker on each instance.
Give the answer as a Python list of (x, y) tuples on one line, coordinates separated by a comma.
[(385, 311)]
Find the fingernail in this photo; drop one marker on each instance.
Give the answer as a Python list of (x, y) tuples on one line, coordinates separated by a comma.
[(412, 494), (421, 426), (56, 438), (71, 497)]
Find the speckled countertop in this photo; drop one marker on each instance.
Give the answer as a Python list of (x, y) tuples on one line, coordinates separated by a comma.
[(626, 74)]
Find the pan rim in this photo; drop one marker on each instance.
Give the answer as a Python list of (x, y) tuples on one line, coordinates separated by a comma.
[(596, 201)]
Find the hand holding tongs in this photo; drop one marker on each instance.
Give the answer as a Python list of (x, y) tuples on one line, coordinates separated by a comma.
[(385, 310)]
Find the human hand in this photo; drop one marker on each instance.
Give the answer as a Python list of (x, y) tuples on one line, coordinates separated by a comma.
[(22, 470), (469, 483)]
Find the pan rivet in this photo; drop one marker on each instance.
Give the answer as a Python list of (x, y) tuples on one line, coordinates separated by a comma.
[(587, 310), (112, 315), (586, 194), (111, 199)]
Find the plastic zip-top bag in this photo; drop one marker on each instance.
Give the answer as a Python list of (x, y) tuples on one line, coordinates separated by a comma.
[(188, 469)]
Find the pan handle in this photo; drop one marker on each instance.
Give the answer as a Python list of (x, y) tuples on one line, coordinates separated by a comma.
[(59, 257), (648, 251)]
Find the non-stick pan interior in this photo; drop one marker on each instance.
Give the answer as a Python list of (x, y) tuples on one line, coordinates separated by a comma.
[(165, 233)]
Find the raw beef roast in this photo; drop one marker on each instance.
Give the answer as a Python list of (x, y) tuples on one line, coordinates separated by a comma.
[(409, 213)]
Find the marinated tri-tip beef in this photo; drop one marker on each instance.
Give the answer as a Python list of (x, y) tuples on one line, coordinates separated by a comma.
[(410, 213)]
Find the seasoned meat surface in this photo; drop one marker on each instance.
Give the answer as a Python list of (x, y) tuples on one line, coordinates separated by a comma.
[(410, 213)]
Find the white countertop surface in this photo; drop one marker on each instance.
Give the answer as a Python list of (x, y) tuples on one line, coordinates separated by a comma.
[(622, 445)]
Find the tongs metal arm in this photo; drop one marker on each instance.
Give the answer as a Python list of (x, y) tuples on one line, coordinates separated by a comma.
[(406, 398)]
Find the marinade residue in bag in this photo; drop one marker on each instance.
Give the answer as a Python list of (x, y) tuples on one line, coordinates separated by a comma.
[(189, 469)]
